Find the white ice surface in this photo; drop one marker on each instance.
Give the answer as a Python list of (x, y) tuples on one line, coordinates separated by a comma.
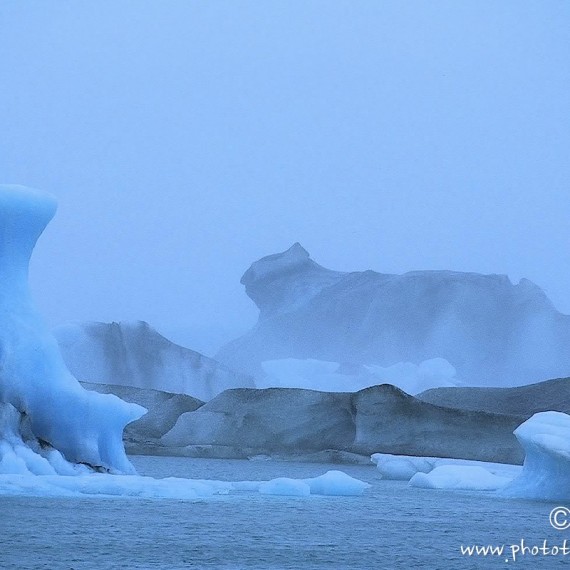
[(336, 483), (330, 376), (332, 483), (545, 438), (459, 477), (404, 467), (43, 405)]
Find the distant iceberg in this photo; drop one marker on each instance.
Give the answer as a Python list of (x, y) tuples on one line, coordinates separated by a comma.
[(492, 331), (332, 484), (134, 354)]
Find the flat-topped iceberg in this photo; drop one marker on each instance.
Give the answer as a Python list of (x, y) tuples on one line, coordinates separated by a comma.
[(44, 408)]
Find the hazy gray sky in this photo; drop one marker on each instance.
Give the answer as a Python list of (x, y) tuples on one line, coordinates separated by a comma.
[(185, 139)]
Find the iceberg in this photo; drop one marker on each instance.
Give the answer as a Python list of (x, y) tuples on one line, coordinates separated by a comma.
[(292, 422), (56, 437), (459, 477), (545, 474), (492, 331), (45, 412), (405, 467), (545, 438), (336, 483), (331, 484), (402, 467), (134, 354)]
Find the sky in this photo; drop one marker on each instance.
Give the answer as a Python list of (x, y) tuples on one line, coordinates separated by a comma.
[(185, 139)]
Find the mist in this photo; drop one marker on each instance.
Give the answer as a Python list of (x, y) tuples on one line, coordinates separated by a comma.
[(185, 140)]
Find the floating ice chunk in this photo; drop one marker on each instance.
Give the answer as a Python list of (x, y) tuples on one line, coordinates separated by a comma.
[(285, 486), (402, 467), (545, 438), (459, 477), (333, 483), (336, 483)]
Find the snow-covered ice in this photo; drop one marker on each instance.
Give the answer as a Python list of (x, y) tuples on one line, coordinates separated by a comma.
[(459, 477), (336, 483), (445, 473), (43, 406), (545, 438)]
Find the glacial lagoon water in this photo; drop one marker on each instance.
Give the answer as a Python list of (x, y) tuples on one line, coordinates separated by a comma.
[(390, 526)]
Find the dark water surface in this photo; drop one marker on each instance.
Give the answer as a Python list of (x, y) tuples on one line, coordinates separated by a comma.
[(391, 526)]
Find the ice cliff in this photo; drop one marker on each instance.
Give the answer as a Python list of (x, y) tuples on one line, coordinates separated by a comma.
[(46, 417), (490, 330)]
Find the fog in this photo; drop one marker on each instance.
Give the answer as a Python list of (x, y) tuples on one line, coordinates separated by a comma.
[(185, 139)]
